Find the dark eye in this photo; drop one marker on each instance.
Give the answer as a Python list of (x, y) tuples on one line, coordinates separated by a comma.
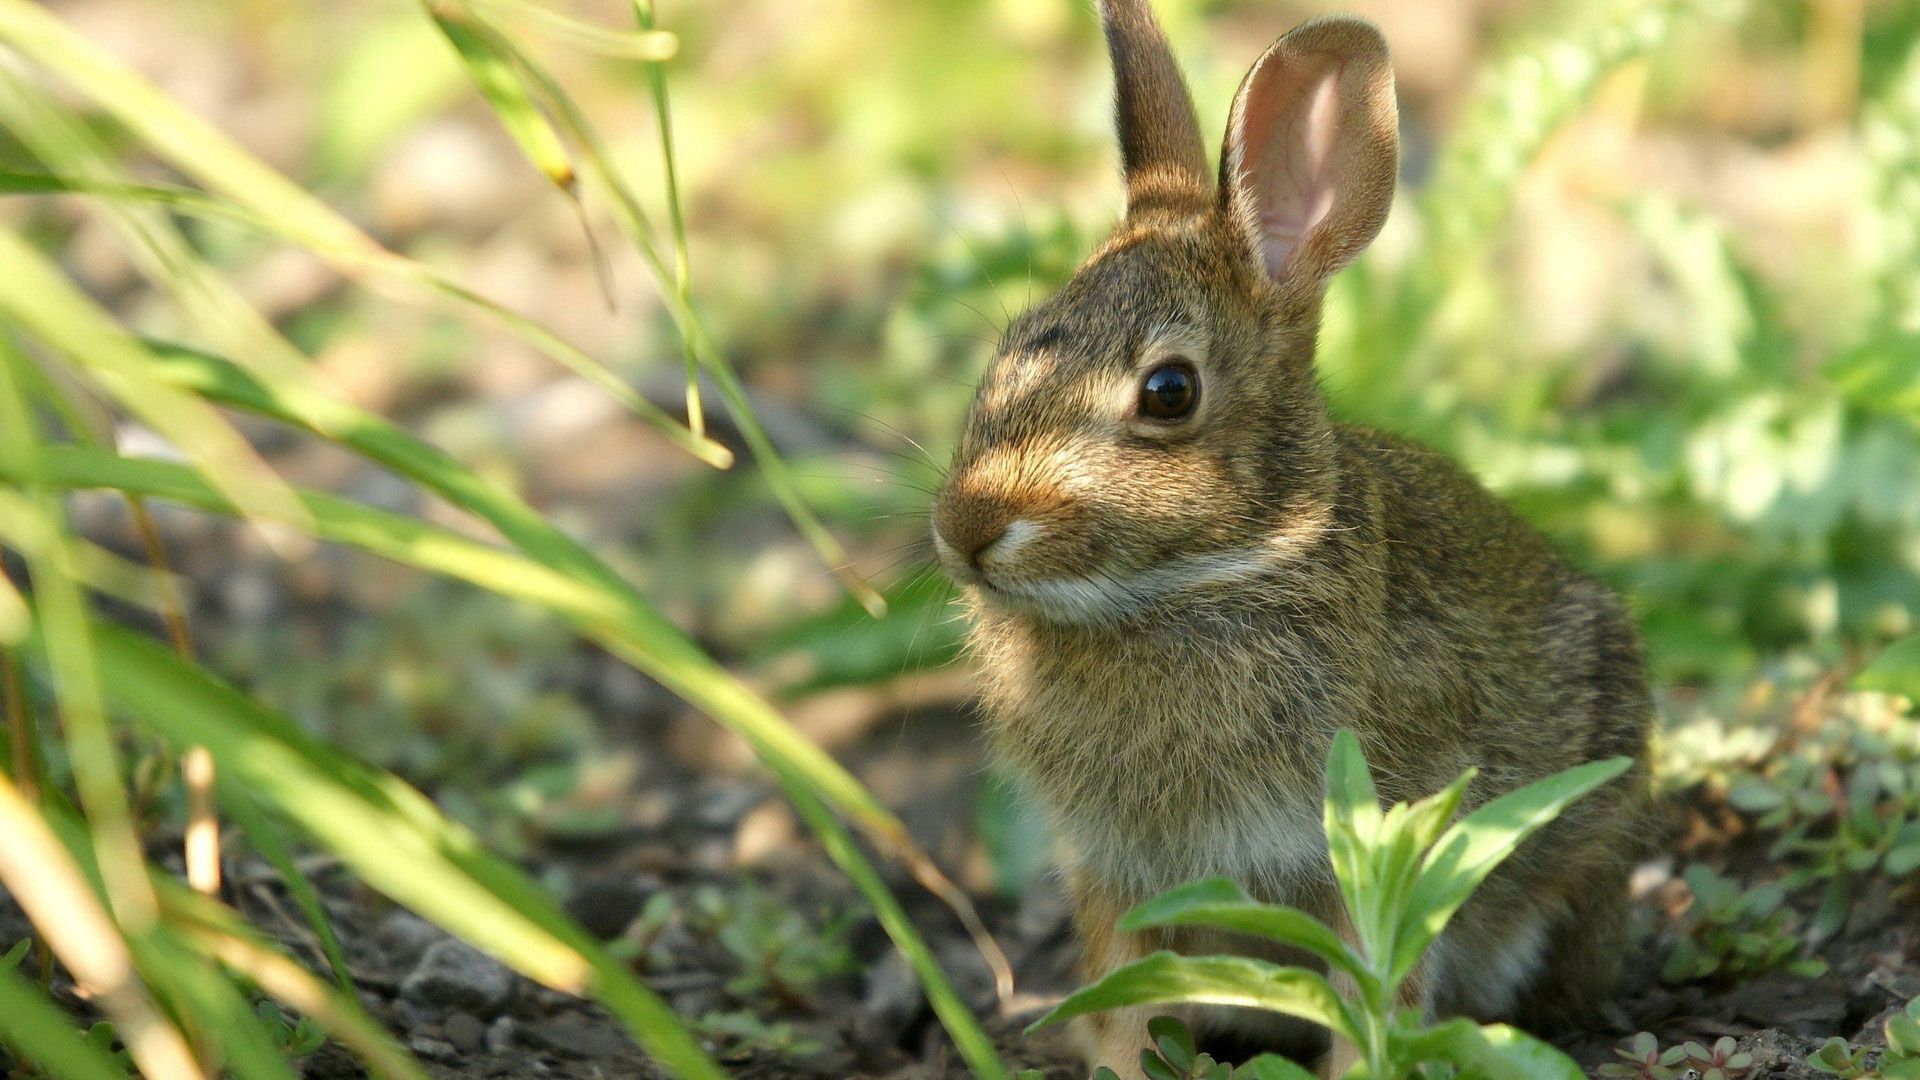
[(1170, 391)]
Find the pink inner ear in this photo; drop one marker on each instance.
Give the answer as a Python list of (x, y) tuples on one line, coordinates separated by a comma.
[(1290, 128)]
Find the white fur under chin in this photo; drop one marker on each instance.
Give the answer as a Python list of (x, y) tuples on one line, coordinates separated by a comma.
[(1110, 597)]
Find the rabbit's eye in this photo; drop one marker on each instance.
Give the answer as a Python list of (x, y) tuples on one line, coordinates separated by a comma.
[(1170, 391)]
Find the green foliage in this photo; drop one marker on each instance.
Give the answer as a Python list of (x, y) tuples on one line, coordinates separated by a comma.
[(1898, 1060), (1402, 874), (1895, 671), (1642, 1058), (741, 1034), (1730, 933), (296, 1036), (1840, 800), (777, 951)]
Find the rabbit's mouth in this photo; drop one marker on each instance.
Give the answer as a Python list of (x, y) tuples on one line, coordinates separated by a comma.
[(1111, 595)]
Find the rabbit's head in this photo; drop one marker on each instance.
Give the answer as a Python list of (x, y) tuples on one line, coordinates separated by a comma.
[(1155, 429)]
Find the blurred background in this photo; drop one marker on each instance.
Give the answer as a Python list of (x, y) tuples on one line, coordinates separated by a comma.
[(1653, 273)]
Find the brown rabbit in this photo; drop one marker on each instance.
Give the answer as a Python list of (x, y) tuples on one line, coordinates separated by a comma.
[(1184, 576)]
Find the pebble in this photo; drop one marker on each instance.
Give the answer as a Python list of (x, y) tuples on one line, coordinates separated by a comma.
[(604, 907), (501, 1033), (433, 1049), (892, 997), (465, 1031), (453, 974), (403, 936)]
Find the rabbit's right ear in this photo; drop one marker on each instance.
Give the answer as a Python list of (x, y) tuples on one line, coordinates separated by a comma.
[(1160, 147), (1312, 145)]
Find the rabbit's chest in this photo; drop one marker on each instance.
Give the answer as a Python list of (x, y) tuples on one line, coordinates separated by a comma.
[(1158, 773)]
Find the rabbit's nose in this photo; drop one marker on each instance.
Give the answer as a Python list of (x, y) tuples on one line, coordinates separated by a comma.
[(968, 529)]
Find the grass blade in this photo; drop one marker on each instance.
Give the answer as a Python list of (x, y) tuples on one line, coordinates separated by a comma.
[(976, 1049), (635, 631), (396, 276), (43, 1036), (223, 935), (490, 65), (41, 301), (38, 871), (791, 757), (64, 144), (42, 538), (632, 221), (676, 212), (202, 151), (648, 45), (264, 834), (394, 838)]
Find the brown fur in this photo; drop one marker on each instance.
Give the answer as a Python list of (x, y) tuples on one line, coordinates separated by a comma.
[(1173, 619)]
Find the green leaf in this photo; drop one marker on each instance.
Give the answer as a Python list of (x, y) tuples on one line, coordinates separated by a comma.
[(1221, 903), (1351, 818), (1271, 1067), (1157, 1069), (1903, 1034), (1466, 853), (1173, 1039), (40, 1033), (1425, 819), (1167, 978), (1895, 671), (264, 835), (1493, 1052), (489, 64)]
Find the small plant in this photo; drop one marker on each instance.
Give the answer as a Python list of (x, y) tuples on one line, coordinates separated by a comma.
[(779, 952), (639, 943), (14, 957), (739, 1034), (1843, 800), (1899, 1061), (1721, 1061), (295, 1036), (1643, 1059), (1730, 932), (1413, 872)]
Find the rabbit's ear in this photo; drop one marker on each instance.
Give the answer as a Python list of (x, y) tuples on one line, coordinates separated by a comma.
[(1311, 151), (1160, 145)]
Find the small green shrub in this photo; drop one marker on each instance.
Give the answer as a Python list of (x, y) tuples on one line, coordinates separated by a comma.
[(1899, 1061), (1402, 874), (1731, 932)]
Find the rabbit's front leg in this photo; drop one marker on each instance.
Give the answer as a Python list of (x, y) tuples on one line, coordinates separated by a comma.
[(1115, 1037)]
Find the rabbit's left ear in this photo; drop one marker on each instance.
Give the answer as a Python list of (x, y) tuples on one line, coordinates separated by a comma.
[(1312, 146)]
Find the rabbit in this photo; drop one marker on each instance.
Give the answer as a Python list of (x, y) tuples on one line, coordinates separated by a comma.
[(1183, 576)]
